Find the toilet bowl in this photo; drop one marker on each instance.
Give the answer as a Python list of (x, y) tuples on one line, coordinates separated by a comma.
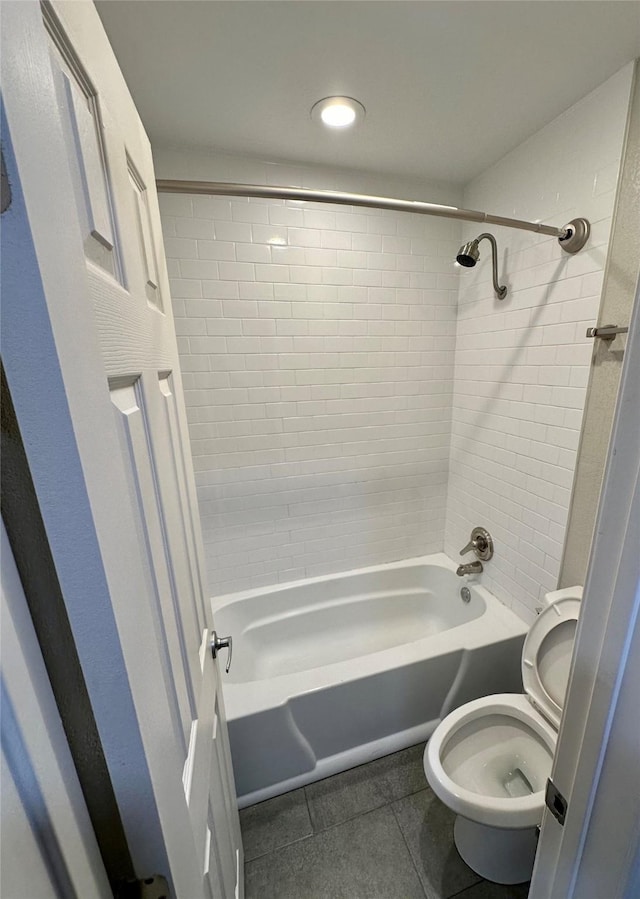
[(489, 760)]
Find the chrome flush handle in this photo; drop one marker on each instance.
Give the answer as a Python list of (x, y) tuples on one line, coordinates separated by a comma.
[(218, 643)]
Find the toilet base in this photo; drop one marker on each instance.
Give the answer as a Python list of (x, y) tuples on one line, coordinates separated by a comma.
[(503, 856)]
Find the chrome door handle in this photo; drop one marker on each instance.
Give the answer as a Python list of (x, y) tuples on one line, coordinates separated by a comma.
[(218, 643)]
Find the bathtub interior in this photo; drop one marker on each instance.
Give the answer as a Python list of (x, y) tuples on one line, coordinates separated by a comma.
[(312, 625)]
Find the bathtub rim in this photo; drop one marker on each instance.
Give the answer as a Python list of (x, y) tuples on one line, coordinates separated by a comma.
[(438, 560), (497, 622)]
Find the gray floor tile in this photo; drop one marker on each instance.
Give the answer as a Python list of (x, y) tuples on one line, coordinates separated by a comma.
[(274, 823), (359, 790), (427, 826), (486, 890), (402, 773), (365, 858), (521, 891), (343, 796)]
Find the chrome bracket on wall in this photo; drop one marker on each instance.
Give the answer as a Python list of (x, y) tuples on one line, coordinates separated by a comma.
[(576, 235), (606, 332)]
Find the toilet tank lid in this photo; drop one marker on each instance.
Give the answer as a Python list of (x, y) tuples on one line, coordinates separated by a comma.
[(546, 656)]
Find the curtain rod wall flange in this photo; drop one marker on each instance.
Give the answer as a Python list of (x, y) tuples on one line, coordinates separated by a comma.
[(572, 237)]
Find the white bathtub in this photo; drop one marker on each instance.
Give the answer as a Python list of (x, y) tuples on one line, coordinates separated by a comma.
[(335, 671)]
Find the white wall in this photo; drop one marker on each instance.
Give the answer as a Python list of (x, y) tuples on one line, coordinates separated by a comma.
[(522, 365), (317, 348)]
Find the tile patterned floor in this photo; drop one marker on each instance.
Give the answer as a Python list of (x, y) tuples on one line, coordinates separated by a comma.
[(374, 832)]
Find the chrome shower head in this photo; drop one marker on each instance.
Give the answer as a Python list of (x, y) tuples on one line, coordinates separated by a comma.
[(469, 253)]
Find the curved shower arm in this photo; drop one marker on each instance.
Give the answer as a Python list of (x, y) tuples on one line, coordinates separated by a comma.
[(501, 291)]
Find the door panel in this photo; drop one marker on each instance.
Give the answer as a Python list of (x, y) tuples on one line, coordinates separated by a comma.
[(87, 150), (217, 814), (145, 234), (167, 448), (188, 508), (127, 397)]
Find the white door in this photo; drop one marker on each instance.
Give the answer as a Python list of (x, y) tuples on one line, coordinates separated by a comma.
[(594, 853), (91, 360), (48, 846)]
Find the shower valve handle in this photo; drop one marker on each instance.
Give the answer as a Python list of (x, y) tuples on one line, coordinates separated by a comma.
[(480, 543), (471, 546), (477, 545), (218, 643)]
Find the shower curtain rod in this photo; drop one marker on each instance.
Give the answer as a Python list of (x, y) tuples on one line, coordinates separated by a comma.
[(572, 237)]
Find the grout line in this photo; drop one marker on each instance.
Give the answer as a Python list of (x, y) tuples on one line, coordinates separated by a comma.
[(317, 832), (306, 799), (301, 839), (460, 895), (462, 892), (404, 840), (351, 818), (361, 814), (314, 834)]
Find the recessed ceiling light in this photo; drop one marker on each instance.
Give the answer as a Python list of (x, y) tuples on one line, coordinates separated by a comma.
[(337, 112)]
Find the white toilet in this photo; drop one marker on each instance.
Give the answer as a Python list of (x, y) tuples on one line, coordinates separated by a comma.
[(489, 760)]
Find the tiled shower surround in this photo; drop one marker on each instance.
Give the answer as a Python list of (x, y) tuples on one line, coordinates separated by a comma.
[(323, 370), (522, 366), (317, 346)]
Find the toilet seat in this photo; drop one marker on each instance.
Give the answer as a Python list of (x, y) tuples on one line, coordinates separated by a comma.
[(466, 732), (546, 656)]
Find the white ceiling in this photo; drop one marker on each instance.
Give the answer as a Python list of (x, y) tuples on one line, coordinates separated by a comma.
[(449, 86)]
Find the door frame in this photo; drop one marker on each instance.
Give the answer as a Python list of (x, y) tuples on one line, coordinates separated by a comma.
[(602, 810), (48, 838), (26, 542)]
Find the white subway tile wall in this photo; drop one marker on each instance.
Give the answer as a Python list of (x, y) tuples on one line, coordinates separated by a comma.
[(522, 365), (317, 348)]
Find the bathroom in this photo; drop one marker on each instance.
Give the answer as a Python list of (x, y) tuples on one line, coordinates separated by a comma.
[(397, 457)]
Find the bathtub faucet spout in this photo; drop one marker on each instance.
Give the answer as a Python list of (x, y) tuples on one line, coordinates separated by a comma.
[(470, 568)]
